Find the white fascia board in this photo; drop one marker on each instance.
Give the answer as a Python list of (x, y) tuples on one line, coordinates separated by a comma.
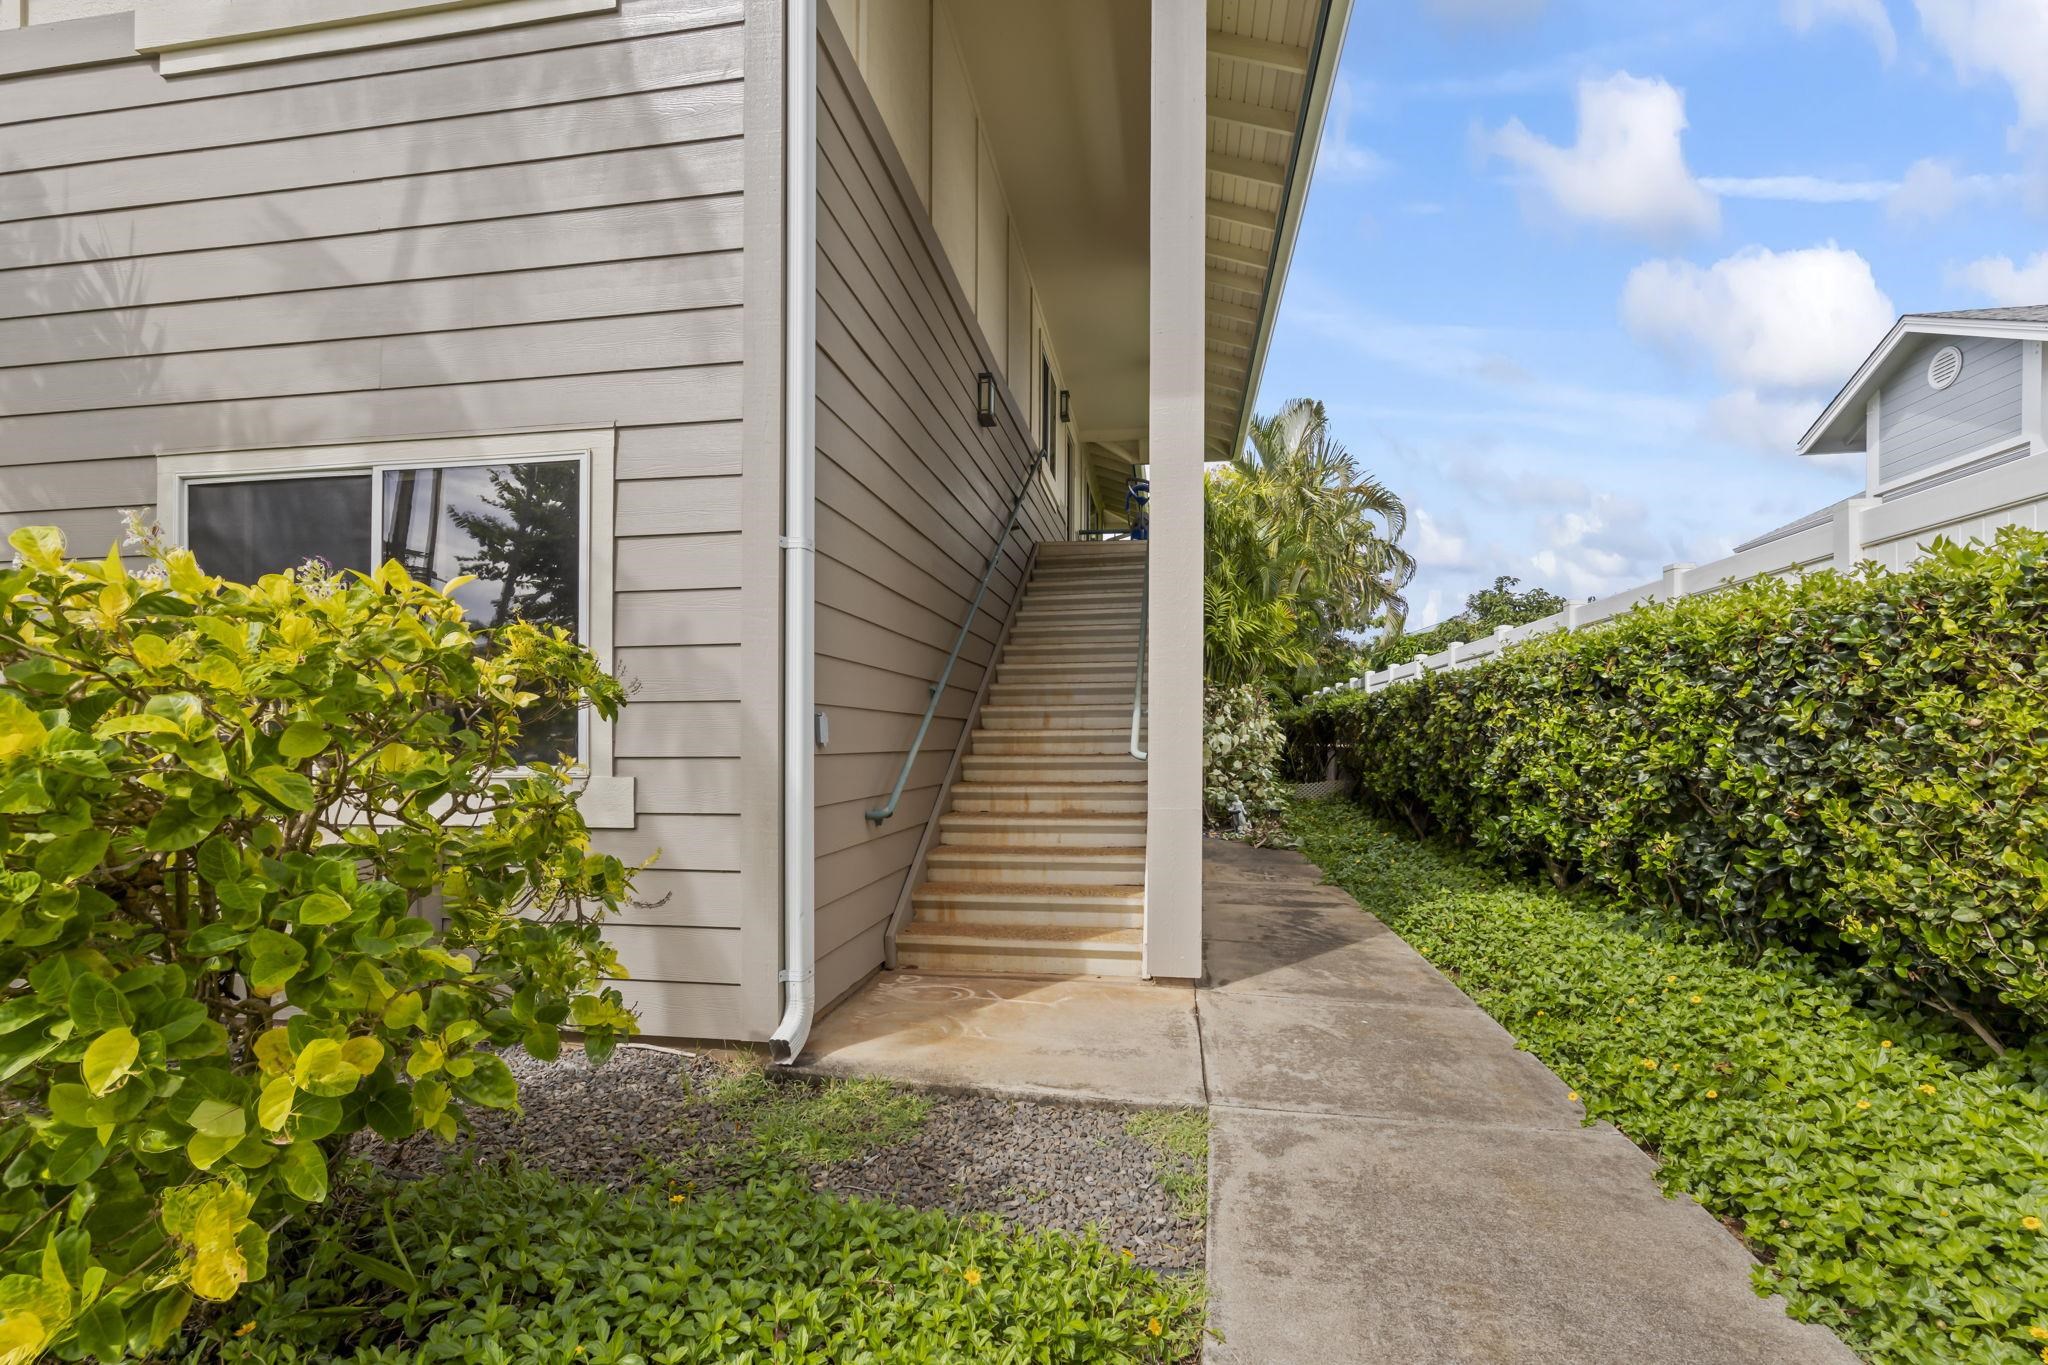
[(1841, 415), (206, 35), (1328, 50)]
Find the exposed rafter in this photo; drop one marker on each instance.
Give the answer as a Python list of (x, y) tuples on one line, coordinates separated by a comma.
[(1269, 173), (1235, 313), (1259, 52), (1243, 214), (1231, 279), (1252, 116), (1237, 255)]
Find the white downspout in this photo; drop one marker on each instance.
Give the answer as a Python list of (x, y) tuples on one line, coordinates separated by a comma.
[(799, 519)]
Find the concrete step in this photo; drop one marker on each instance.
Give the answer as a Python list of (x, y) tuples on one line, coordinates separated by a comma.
[(1088, 580), (1069, 652), (1058, 692), (1091, 549), (1015, 829), (1114, 865), (1106, 907), (1010, 795), (1054, 716), (1030, 949), (1108, 739), (1059, 768), (1036, 621), (1072, 592), (1057, 668)]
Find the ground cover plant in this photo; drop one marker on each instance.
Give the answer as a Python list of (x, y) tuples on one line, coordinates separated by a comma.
[(505, 1265), (222, 807), (1857, 766), (1889, 1170)]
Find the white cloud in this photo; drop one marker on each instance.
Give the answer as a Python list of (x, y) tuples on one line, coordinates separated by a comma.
[(1338, 157), (1437, 545), (1599, 548), (1869, 15), (1751, 419), (1627, 168), (2003, 39), (1799, 189), (1932, 189), (1771, 319), (2000, 280)]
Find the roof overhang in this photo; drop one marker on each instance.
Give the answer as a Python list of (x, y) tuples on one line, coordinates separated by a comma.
[(1839, 428), (1271, 71)]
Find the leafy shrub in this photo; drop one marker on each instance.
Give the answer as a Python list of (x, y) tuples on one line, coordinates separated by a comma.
[(1855, 765), (1241, 744), (500, 1266), (1893, 1182), (221, 808)]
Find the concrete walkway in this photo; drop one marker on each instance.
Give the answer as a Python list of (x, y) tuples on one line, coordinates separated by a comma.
[(1391, 1181)]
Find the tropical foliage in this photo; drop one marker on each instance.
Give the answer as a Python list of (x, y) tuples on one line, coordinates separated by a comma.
[(1887, 1170), (223, 811), (1855, 765), (1503, 604), (497, 1266), (1302, 549), (1241, 746)]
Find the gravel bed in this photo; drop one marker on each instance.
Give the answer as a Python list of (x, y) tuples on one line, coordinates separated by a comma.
[(1035, 1165)]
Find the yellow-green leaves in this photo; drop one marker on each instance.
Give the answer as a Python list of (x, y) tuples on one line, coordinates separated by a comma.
[(305, 1171), (302, 739), (210, 1222), (109, 1059), (274, 1105), (40, 547), (21, 730), (287, 788), (270, 959)]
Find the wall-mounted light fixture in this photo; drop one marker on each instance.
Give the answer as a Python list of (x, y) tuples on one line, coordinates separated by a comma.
[(1066, 406), (985, 398)]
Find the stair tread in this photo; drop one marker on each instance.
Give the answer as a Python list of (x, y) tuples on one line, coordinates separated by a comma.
[(1122, 891), (976, 932), (1098, 853)]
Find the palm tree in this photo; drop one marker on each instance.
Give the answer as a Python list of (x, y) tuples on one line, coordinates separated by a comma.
[(1296, 530)]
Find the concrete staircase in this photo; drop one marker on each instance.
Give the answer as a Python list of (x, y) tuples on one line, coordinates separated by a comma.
[(1040, 862)]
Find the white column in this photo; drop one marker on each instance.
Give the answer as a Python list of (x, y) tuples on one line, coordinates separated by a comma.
[(1173, 823), (1674, 580)]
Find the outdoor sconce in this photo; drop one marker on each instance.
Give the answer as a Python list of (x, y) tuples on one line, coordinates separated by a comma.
[(1066, 408), (985, 398)]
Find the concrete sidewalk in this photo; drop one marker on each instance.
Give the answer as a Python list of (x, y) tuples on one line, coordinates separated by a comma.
[(1392, 1182)]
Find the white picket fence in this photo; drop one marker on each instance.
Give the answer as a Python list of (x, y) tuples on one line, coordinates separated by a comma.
[(1893, 530)]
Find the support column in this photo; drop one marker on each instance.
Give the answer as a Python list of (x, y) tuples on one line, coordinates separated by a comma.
[(1173, 824)]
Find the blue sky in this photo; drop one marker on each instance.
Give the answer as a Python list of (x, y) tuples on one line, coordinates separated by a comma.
[(1575, 274)]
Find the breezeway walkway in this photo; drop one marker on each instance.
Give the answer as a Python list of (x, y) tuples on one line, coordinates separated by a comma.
[(1391, 1181)]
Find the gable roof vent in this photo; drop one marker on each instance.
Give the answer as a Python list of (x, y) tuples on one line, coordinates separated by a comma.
[(1945, 368)]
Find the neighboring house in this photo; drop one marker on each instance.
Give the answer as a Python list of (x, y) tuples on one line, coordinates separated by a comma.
[(729, 332), (1948, 415)]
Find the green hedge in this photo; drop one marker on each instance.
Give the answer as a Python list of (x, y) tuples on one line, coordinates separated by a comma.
[(1852, 764), (1893, 1182)]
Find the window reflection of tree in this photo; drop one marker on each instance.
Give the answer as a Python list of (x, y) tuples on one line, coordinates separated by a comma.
[(519, 537)]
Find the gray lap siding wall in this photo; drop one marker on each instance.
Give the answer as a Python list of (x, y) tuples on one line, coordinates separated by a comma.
[(557, 225), (911, 494)]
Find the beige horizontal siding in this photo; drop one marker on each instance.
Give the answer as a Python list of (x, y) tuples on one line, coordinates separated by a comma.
[(542, 227)]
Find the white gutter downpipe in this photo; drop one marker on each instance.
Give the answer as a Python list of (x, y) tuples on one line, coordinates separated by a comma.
[(799, 519)]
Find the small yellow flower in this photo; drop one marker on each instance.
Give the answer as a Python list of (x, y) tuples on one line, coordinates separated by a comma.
[(1886, 1043), (246, 1328), (1154, 1326), (1713, 1094), (1617, 1018), (1649, 1063), (1539, 1014), (1863, 1104), (2031, 1223), (1697, 999), (2044, 1355), (1671, 980), (1926, 1089), (676, 1199), (1573, 1097), (1631, 1000), (2038, 1333), (972, 1276)]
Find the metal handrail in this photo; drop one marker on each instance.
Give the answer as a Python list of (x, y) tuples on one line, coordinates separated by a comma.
[(1138, 687), (883, 812)]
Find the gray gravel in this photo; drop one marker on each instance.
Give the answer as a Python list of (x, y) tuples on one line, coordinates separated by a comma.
[(1035, 1165)]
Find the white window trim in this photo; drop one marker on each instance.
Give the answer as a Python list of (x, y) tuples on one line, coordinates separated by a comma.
[(207, 35), (606, 799)]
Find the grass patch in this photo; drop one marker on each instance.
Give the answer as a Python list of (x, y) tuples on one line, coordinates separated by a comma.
[(815, 1123), (1889, 1171), (507, 1264), (1181, 1139)]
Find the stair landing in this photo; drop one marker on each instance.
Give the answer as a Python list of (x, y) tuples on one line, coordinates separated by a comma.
[(1039, 865)]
